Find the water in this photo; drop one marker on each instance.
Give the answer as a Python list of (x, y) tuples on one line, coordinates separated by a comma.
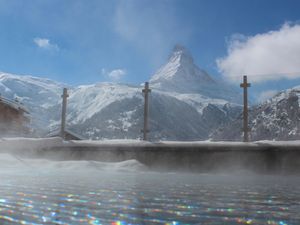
[(43, 192)]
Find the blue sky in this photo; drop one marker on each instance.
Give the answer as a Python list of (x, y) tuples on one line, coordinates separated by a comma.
[(82, 42)]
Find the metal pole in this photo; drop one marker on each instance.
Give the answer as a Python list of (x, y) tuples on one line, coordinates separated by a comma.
[(146, 91), (245, 86), (63, 112)]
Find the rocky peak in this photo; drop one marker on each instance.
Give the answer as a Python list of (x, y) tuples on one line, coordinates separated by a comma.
[(182, 54), (181, 74)]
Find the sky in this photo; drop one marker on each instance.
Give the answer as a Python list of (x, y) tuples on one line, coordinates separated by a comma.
[(83, 42)]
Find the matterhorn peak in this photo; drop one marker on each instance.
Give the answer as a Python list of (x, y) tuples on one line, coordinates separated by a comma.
[(181, 53), (179, 47), (180, 74)]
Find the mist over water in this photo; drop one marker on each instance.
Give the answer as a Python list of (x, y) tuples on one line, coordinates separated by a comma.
[(85, 192)]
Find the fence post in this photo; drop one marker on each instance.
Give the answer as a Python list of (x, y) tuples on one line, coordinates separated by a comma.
[(146, 92), (245, 86), (63, 112)]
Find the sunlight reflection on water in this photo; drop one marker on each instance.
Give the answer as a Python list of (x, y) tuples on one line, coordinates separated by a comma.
[(90, 196)]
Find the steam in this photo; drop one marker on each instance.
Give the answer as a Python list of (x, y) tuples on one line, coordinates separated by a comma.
[(14, 162), (51, 154)]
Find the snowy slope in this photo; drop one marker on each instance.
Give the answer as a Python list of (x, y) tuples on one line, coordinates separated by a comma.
[(93, 98), (108, 110), (36, 94), (185, 104), (28, 89), (181, 75), (198, 101), (123, 118), (276, 119)]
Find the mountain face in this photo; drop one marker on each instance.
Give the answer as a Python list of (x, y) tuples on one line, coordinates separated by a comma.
[(185, 104), (275, 119), (181, 75), (123, 118), (36, 94)]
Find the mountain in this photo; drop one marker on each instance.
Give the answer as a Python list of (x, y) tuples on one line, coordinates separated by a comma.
[(120, 115), (36, 94), (276, 119), (186, 103), (181, 75)]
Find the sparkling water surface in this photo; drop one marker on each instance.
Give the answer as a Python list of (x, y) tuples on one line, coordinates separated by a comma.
[(93, 195)]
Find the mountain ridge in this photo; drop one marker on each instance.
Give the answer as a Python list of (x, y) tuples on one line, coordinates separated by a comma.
[(181, 75), (178, 60), (110, 110), (275, 119)]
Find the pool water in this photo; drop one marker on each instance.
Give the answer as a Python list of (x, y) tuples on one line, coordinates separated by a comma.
[(81, 194)]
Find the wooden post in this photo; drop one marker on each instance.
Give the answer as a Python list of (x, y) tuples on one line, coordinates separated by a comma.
[(146, 91), (245, 86), (63, 112)]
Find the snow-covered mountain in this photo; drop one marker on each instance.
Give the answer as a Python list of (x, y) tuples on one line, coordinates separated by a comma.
[(185, 103), (36, 94), (276, 119), (181, 75)]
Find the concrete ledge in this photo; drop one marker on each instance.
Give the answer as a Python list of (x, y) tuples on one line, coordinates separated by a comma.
[(260, 157)]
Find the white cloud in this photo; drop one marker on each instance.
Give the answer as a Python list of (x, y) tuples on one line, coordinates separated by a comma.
[(265, 95), (115, 74), (45, 43), (268, 56)]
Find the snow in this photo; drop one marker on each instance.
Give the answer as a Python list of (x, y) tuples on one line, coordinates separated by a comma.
[(117, 108), (180, 89), (285, 94), (295, 143), (36, 94), (18, 143), (42, 85), (275, 119), (180, 73), (197, 101), (8, 144), (88, 100), (209, 143)]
